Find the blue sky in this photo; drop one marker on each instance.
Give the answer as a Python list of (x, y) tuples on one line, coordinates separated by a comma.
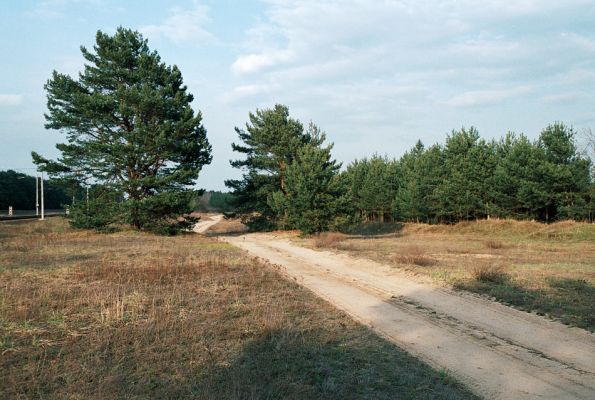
[(375, 75)]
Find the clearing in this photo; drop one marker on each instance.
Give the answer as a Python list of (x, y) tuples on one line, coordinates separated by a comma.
[(498, 351), (133, 315)]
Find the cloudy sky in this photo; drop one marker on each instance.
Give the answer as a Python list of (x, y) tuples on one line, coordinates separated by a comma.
[(375, 75)]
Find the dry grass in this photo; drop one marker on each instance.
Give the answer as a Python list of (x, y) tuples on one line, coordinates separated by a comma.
[(414, 255), (494, 244), (549, 269), (489, 273), (129, 315), (329, 239)]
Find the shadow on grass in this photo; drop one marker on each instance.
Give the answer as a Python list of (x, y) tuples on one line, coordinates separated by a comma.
[(296, 365), (569, 300), (280, 364)]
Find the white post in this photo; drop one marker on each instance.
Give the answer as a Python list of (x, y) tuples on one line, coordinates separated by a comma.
[(37, 195), (87, 198), (42, 205)]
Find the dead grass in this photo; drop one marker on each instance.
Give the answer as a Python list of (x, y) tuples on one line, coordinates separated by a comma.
[(516, 262), (130, 315), (494, 244), (329, 239), (489, 273), (414, 255)]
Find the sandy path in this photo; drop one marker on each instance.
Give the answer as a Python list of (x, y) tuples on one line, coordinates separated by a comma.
[(499, 352), (204, 224)]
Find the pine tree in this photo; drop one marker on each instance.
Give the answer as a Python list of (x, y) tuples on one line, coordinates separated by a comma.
[(567, 172), (270, 143), (130, 127), (312, 187), (372, 186), (469, 163)]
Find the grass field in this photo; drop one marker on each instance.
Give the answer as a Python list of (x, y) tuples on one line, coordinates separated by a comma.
[(548, 269), (130, 315)]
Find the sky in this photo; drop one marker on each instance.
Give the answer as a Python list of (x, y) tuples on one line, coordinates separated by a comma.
[(376, 76)]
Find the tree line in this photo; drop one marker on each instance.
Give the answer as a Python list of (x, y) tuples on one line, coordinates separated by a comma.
[(292, 182), (133, 136), (17, 190)]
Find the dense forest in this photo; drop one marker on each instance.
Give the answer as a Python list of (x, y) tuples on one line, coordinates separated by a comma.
[(291, 181), (18, 190)]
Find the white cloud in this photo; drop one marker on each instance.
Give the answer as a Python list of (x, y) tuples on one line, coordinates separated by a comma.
[(8, 100), (395, 71), (251, 63), (485, 97), (244, 92), (568, 97), (183, 25)]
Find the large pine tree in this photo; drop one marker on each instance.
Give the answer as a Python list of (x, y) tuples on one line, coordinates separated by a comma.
[(129, 126)]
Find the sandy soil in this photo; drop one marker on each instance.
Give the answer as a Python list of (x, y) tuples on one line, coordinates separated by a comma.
[(499, 352), (206, 222)]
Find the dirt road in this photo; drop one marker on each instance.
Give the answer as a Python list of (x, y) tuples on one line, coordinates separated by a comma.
[(204, 224), (499, 352)]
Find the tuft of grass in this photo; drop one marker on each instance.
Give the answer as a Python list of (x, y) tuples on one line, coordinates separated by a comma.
[(490, 274), (414, 255), (494, 244), (329, 239), (131, 315)]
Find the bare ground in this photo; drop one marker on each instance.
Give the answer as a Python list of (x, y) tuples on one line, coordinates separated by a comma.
[(206, 222), (499, 352)]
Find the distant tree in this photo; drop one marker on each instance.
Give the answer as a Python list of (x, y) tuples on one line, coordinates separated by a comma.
[(130, 128), (270, 143)]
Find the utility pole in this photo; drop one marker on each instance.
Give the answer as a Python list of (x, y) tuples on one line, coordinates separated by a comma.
[(42, 204), (37, 194)]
